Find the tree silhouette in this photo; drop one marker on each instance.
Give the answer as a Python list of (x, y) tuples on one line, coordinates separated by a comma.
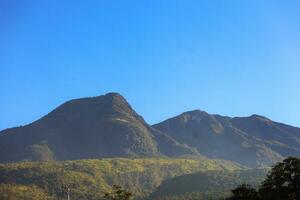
[(244, 192), (283, 182)]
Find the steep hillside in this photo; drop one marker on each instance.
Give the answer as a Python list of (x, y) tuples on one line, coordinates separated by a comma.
[(252, 141), (98, 127), (88, 179)]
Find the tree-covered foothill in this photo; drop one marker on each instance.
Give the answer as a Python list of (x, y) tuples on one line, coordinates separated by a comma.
[(93, 180), (90, 179), (206, 185)]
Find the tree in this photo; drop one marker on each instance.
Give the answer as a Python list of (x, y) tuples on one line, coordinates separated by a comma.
[(244, 192), (283, 182), (118, 194)]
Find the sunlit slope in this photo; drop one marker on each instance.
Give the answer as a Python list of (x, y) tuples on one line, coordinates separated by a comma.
[(90, 178)]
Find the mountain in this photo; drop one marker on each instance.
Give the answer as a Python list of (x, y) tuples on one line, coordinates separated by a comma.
[(107, 126), (89, 179), (207, 184), (96, 127), (252, 141)]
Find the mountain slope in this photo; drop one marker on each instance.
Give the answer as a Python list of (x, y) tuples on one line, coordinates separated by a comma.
[(252, 141), (97, 127)]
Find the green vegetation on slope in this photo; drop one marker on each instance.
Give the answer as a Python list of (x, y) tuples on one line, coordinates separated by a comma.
[(17, 192), (206, 185), (89, 179)]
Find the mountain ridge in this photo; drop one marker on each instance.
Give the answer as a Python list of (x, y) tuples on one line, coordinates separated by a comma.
[(107, 126), (234, 138)]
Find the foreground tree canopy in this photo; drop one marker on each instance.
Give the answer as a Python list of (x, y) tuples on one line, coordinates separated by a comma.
[(283, 182), (245, 192)]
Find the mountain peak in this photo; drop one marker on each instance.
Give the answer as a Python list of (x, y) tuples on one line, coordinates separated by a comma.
[(113, 95), (259, 117), (195, 112), (93, 127)]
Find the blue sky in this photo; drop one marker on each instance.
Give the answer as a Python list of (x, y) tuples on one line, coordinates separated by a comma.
[(232, 57)]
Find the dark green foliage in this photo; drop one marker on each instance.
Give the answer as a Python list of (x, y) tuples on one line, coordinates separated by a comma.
[(253, 141), (283, 182), (244, 192), (197, 196), (118, 193), (205, 185)]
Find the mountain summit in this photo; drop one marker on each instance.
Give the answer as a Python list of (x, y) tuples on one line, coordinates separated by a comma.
[(96, 127)]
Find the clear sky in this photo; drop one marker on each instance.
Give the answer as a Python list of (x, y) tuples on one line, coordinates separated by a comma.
[(229, 57)]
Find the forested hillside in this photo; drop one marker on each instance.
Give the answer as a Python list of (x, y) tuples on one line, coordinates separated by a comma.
[(88, 179), (207, 185)]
